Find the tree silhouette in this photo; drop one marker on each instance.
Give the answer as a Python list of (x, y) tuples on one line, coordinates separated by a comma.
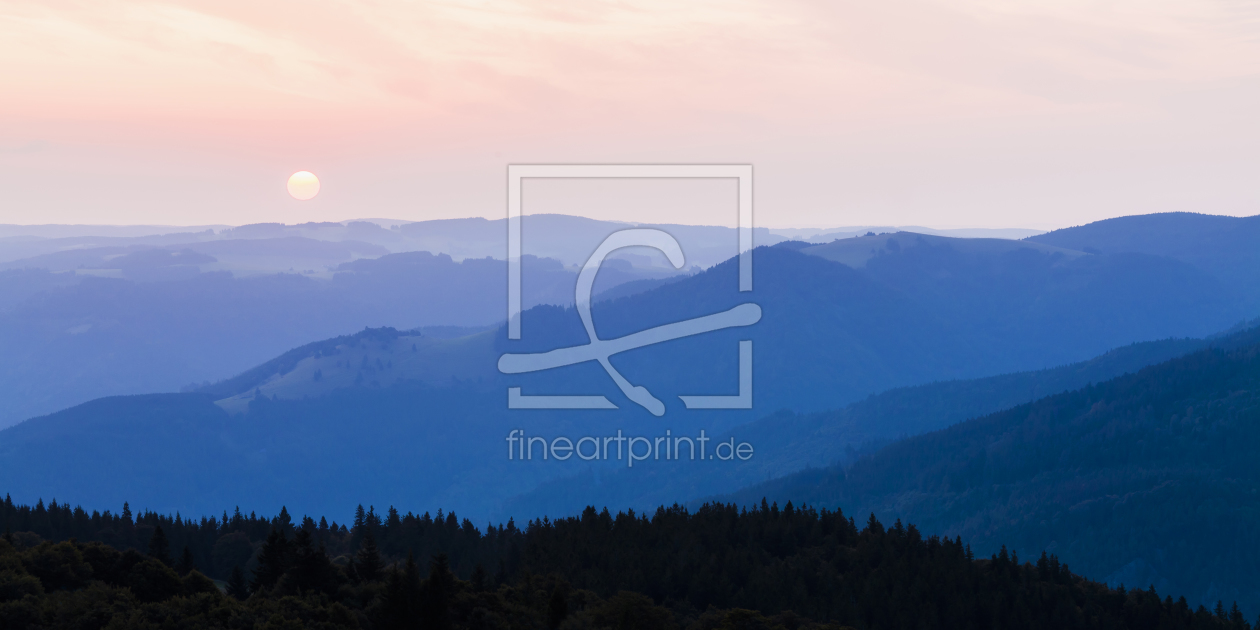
[(747, 569), (186, 563), (273, 561), (159, 547), (311, 569), (368, 561), (439, 591), (236, 586)]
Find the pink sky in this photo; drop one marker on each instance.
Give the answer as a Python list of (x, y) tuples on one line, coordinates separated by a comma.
[(964, 113)]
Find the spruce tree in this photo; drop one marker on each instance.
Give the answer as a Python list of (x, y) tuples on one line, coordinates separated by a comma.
[(368, 563), (273, 561), (411, 579), (400, 603), (393, 611), (311, 569), (283, 521), (236, 586), (159, 547), (501, 576), (360, 518), (321, 534), (1235, 616), (438, 593), (186, 563)]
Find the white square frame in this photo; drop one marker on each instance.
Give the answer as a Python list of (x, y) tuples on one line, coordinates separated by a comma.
[(519, 172)]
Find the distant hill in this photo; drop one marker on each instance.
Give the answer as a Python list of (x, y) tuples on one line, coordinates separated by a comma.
[(387, 417), (568, 239), (571, 239), (787, 441), (858, 250), (84, 333), (241, 257), (1226, 247), (92, 311), (69, 339), (831, 334), (1149, 478), (63, 230), (826, 235)]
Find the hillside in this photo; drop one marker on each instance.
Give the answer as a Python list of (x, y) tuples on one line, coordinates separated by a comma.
[(571, 239), (376, 416), (830, 334), (788, 441), (1149, 478), (71, 338), (278, 247), (859, 249), (1223, 246), (716, 568), (92, 311), (150, 314)]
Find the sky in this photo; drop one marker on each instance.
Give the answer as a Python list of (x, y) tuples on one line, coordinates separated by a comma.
[(968, 113)]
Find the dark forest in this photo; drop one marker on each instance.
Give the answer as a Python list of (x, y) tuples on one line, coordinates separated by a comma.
[(717, 567)]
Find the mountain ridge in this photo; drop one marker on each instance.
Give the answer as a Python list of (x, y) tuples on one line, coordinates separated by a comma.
[(1146, 478)]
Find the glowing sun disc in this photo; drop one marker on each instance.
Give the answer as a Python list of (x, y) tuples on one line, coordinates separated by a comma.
[(303, 185)]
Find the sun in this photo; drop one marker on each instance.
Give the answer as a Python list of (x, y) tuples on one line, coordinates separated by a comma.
[(303, 185)]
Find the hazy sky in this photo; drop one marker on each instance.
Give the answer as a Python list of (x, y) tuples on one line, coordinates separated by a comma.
[(962, 113)]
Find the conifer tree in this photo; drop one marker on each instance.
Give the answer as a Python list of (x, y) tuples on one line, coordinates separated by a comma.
[(500, 575), (321, 533), (1235, 615), (356, 528), (400, 605), (411, 579), (236, 586), (283, 521), (128, 527), (311, 569), (393, 611), (439, 591), (274, 559), (186, 563), (368, 563), (159, 547)]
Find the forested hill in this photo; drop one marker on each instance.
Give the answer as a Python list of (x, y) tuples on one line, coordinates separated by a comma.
[(717, 568), (1150, 478), (1219, 245), (829, 335), (789, 442)]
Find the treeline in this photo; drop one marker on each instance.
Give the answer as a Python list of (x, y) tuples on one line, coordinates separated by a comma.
[(718, 567)]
